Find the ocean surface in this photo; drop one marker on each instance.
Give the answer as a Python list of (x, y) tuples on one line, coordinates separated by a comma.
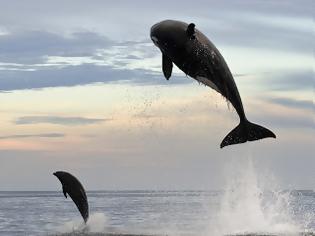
[(228, 212)]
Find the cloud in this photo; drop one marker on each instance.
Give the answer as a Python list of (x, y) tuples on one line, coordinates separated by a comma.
[(25, 120), (280, 80), (285, 25), (81, 75), (288, 81), (278, 113), (33, 44), (30, 47), (35, 59), (58, 52), (85, 58), (252, 29), (289, 122), (45, 135), (289, 102), (302, 119)]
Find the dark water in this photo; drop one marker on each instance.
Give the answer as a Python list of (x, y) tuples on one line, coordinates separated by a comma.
[(160, 213)]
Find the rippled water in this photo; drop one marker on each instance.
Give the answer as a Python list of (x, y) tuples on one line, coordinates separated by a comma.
[(244, 207), (149, 212)]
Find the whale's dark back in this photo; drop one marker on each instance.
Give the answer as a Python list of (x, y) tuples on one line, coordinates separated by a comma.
[(74, 188), (196, 56)]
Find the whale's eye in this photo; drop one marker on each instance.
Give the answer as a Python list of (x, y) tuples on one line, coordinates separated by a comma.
[(155, 40)]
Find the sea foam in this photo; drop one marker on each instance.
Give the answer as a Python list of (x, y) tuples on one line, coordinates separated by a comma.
[(252, 203), (97, 223)]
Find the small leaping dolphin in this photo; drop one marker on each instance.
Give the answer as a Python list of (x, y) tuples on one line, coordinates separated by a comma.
[(196, 56), (74, 188)]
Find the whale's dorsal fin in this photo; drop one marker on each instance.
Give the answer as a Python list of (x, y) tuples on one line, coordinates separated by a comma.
[(167, 66), (190, 31)]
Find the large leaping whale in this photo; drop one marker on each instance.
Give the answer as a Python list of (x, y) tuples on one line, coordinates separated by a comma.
[(74, 188), (193, 53)]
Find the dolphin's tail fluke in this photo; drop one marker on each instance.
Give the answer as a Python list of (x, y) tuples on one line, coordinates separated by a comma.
[(246, 131)]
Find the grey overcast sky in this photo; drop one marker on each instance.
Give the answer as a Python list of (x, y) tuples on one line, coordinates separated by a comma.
[(81, 90)]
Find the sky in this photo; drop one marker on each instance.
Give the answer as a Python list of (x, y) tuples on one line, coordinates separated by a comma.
[(81, 90)]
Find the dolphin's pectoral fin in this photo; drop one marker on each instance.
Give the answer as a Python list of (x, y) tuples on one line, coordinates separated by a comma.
[(167, 66), (64, 191), (191, 31)]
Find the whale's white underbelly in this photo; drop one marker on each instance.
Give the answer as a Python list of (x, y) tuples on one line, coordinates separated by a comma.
[(207, 82)]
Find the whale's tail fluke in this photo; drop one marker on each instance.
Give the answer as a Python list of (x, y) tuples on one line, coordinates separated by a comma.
[(246, 131)]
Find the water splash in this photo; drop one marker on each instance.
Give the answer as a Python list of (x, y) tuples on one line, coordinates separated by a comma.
[(253, 205), (97, 223)]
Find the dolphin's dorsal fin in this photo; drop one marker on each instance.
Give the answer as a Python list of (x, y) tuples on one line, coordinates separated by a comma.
[(191, 31), (64, 191), (167, 66)]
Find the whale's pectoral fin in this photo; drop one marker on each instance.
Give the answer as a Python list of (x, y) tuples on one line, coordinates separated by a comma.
[(191, 31), (167, 66), (64, 191)]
